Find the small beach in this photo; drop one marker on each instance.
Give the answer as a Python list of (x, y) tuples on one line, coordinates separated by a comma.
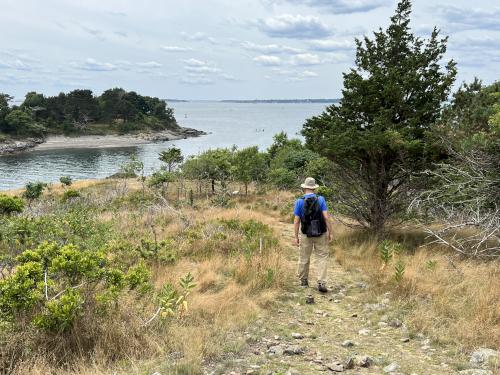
[(61, 142)]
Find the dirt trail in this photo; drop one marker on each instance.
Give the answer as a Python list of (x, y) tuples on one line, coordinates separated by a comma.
[(349, 330)]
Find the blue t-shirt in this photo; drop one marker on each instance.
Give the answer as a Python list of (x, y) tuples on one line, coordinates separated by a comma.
[(299, 204)]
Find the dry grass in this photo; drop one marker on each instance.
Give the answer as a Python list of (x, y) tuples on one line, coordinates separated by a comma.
[(231, 292), (450, 300)]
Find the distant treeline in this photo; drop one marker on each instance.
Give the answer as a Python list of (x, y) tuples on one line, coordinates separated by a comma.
[(283, 101), (81, 112)]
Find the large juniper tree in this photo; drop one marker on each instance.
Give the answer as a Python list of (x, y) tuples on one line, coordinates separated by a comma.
[(376, 135)]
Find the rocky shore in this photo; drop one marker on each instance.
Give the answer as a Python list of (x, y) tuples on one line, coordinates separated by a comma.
[(95, 141)]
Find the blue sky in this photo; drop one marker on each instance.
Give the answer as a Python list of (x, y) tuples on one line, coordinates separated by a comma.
[(220, 49)]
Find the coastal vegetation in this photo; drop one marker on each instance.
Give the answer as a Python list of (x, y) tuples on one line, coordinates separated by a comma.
[(192, 267), (80, 112)]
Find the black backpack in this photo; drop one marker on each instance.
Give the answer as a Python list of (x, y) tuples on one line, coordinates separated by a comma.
[(312, 221)]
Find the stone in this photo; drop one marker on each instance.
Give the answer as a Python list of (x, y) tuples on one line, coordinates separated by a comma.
[(392, 367), (349, 363), (395, 323), (276, 337), (298, 336), (292, 371), (364, 332), (347, 344), (482, 355), (293, 350), (309, 299), (405, 339), (276, 349), (382, 324), (335, 366), (363, 361)]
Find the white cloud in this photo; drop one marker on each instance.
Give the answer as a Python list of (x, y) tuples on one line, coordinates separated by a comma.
[(16, 64), (197, 80), (149, 64), (198, 37), (294, 27), (343, 6), (308, 73), (270, 48), (332, 45), (268, 60), (195, 62), (461, 19), (305, 59), (176, 49), (200, 72), (91, 64), (291, 75)]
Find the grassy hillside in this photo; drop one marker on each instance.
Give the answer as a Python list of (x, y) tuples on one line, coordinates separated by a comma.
[(238, 251)]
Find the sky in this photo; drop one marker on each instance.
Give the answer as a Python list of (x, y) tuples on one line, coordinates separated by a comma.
[(220, 49)]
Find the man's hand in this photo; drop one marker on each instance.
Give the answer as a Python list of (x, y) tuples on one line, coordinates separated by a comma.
[(296, 241), (329, 236)]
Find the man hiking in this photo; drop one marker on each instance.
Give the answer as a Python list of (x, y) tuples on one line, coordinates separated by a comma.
[(311, 216)]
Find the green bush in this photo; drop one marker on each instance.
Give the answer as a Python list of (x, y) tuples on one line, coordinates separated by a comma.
[(283, 178), (76, 225), (34, 190), (70, 194), (66, 180), (52, 286), (9, 205)]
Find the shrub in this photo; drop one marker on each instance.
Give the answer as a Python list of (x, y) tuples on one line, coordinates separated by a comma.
[(54, 285), (9, 205), (70, 194), (66, 180), (283, 178), (34, 190), (77, 226)]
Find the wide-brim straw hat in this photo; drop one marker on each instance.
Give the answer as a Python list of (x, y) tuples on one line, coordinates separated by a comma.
[(309, 183)]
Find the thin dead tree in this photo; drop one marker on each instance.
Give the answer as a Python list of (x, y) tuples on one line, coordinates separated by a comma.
[(464, 201)]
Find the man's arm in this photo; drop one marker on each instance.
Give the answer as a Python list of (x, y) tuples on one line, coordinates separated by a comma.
[(296, 226), (328, 224)]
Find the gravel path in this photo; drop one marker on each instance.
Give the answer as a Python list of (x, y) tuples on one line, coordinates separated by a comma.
[(349, 330)]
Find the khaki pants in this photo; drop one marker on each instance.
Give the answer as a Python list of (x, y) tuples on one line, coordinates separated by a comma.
[(321, 252)]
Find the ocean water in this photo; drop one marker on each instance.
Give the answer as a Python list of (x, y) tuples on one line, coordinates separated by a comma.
[(228, 124)]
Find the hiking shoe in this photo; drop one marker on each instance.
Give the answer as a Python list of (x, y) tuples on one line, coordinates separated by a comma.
[(304, 283), (322, 287)]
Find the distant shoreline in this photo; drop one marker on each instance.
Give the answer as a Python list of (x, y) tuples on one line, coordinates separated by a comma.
[(260, 101), (283, 101), (61, 142)]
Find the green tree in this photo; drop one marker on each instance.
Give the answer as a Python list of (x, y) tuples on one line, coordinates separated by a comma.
[(172, 157), (283, 178), (18, 121), (249, 165), (281, 141), (376, 135), (161, 179), (4, 110), (213, 165), (33, 99)]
